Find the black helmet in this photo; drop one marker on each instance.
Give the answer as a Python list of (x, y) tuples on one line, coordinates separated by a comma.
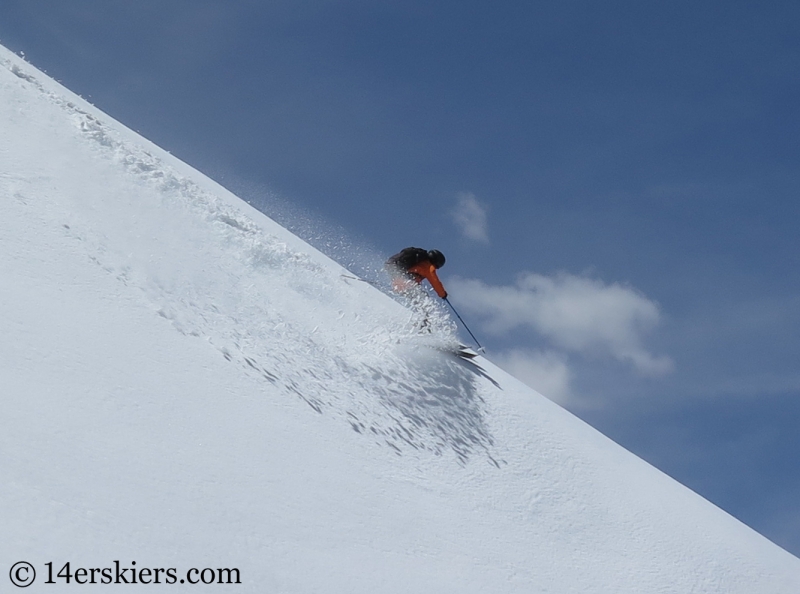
[(436, 258)]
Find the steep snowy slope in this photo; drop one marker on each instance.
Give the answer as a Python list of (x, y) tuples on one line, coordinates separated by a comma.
[(187, 385)]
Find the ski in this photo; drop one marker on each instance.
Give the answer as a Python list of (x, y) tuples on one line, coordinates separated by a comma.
[(462, 351), (465, 352)]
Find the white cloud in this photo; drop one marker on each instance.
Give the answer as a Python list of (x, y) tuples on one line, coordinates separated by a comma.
[(575, 313), (469, 215), (545, 372)]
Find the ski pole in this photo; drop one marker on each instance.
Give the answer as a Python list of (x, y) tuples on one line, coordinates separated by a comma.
[(480, 348)]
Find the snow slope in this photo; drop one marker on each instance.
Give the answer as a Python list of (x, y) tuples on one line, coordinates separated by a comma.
[(185, 384)]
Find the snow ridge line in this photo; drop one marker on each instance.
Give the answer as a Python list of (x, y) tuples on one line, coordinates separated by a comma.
[(149, 168)]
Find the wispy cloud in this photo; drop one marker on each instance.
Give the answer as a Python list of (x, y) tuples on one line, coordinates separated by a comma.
[(575, 313), (469, 215)]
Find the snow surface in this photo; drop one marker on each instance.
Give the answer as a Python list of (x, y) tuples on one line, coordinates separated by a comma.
[(186, 384)]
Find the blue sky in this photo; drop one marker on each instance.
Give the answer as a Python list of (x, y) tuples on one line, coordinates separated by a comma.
[(615, 185)]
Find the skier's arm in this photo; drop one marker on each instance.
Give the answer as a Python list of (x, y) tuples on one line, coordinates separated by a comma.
[(429, 272)]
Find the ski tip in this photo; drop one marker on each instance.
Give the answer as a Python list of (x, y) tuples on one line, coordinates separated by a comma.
[(466, 353)]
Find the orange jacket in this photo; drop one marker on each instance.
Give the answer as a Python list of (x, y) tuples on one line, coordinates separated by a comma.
[(426, 270)]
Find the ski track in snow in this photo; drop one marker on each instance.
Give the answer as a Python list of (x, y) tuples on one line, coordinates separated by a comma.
[(422, 399)]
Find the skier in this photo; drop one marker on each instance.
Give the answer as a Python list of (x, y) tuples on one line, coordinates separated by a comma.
[(407, 269), (411, 266)]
